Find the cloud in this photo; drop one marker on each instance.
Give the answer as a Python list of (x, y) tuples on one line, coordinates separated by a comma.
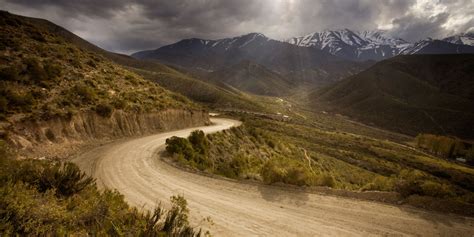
[(128, 26)]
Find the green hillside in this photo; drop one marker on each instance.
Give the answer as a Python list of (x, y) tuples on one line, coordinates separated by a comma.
[(253, 78), (165, 76), (409, 94), (42, 76)]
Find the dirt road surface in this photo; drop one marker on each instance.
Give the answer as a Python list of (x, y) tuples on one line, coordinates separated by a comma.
[(243, 209)]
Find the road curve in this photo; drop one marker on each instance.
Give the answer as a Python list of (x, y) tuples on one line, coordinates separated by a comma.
[(240, 209)]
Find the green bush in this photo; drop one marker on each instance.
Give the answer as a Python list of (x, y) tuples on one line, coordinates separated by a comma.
[(287, 171), (44, 198), (35, 70), (104, 110), (9, 74), (19, 101), (53, 70), (179, 145), (434, 189), (199, 142), (85, 93)]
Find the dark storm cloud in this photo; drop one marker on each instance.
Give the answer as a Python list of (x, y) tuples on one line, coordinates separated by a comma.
[(410, 27), (101, 8), (127, 26)]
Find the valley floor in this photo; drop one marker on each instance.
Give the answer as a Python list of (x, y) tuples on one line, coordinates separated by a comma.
[(242, 209)]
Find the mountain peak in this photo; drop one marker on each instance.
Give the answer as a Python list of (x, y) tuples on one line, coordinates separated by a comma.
[(256, 34)]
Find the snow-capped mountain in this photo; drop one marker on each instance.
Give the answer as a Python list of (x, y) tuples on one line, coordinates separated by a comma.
[(433, 46), (220, 45), (378, 45), (289, 60), (353, 45), (465, 39)]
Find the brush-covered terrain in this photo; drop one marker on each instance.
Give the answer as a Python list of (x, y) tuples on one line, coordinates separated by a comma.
[(208, 94), (44, 198), (43, 76), (409, 94), (299, 153), (252, 78)]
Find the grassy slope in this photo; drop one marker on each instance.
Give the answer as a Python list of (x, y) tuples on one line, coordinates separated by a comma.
[(253, 78), (199, 91), (166, 77), (409, 94), (300, 153), (43, 75)]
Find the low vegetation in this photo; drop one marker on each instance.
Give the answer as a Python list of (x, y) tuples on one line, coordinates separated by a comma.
[(301, 154), (206, 93), (42, 76), (44, 198), (447, 147)]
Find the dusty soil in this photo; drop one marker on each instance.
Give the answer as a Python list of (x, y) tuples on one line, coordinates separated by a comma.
[(247, 209)]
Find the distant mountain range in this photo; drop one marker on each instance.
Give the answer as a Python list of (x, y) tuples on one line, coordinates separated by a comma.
[(378, 45), (302, 64), (317, 58)]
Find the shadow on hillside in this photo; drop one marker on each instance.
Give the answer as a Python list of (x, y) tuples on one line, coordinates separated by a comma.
[(292, 196)]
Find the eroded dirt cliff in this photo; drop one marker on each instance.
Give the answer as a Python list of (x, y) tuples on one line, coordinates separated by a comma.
[(62, 136)]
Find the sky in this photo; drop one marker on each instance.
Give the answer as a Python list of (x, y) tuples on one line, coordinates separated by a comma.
[(127, 26)]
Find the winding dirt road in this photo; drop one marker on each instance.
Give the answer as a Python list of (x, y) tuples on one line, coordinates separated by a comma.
[(240, 209)]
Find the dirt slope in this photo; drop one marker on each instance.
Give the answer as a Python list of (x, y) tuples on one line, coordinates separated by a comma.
[(239, 209)]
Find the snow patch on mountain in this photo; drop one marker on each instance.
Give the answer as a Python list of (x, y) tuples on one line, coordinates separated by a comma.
[(465, 39), (353, 44)]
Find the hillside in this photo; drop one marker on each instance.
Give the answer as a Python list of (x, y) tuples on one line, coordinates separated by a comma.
[(252, 78), (213, 96), (409, 94), (43, 76), (164, 76), (56, 95), (301, 64)]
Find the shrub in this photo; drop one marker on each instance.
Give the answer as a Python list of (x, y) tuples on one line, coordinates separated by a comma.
[(9, 74), (286, 171), (35, 70), (326, 180), (199, 142), (43, 198), (85, 93), (92, 64), (53, 70), (120, 104), (104, 110), (272, 173), (433, 189), (20, 101), (179, 145)]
